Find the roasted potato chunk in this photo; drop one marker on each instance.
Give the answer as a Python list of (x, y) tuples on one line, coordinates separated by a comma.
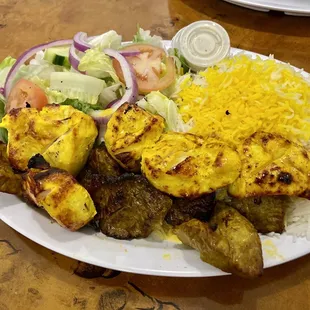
[(184, 210), (267, 214), (57, 192), (184, 165), (128, 206), (10, 182), (62, 134), (129, 131), (229, 242), (271, 166)]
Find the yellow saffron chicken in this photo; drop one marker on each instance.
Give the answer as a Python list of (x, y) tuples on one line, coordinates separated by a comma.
[(129, 131), (185, 165), (58, 193), (272, 165), (62, 134)]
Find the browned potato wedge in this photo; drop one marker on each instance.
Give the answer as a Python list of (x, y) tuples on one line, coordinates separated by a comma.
[(228, 242)]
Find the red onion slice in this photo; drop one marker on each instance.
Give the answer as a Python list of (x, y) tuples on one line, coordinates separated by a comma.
[(131, 93), (80, 42), (74, 59), (102, 122), (98, 118), (26, 56), (110, 104), (129, 53)]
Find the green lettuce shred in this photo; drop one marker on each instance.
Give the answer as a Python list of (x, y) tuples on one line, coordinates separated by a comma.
[(3, 131), (97, 64), (144, 36), (81, 106)]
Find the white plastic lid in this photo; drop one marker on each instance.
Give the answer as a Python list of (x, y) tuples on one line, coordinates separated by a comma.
[(176, 39), (203, 44)]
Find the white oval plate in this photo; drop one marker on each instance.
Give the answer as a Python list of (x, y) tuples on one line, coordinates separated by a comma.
[(145, 256), (289, 7)]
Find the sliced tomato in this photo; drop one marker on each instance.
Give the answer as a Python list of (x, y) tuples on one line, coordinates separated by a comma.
[(26, 94), (153, 68)]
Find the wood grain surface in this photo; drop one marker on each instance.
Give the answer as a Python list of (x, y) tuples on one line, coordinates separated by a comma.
[(32, 277)]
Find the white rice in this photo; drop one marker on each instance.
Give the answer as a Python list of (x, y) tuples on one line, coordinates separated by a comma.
[(297, 219)]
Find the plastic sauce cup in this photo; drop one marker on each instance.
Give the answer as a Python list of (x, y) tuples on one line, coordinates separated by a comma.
[(203, 44)]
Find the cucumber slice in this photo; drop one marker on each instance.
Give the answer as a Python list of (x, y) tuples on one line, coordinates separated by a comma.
[(58, 56)]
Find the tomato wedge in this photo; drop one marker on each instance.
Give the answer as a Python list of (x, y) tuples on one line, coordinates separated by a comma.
[(153, 68), (26, 93)]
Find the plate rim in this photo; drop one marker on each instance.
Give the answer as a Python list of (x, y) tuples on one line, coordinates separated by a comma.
[(250, 4)]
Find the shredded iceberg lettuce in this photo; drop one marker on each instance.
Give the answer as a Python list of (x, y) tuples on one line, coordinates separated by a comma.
[(53, 96), (109, 94), (81, 106), (179, 61), (173, 90), (3, 131), (144, 36), (97, 64), (5, 67), (110, 39), (157, 103), (7, 62)]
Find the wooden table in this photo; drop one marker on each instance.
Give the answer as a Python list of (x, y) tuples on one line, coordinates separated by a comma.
[(32, 277)]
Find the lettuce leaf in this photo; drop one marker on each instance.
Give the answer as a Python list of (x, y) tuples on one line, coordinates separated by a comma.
[(53, 96), (5, 67), (110, 94), (3, 131), (110, 39), (81, 106), (7, 62), (97, 64), (144, 36), (179, 61), (157, 103)]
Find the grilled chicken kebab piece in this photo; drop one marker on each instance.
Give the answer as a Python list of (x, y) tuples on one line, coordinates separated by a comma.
[(63, 135), (129, 132), (272, 165), (57, 192), (186, 166)]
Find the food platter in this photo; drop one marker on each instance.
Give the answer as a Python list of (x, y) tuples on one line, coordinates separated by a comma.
[(146, 256), (289, 7)]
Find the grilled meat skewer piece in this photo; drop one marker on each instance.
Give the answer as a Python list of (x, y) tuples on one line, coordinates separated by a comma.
[(57, 192)]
